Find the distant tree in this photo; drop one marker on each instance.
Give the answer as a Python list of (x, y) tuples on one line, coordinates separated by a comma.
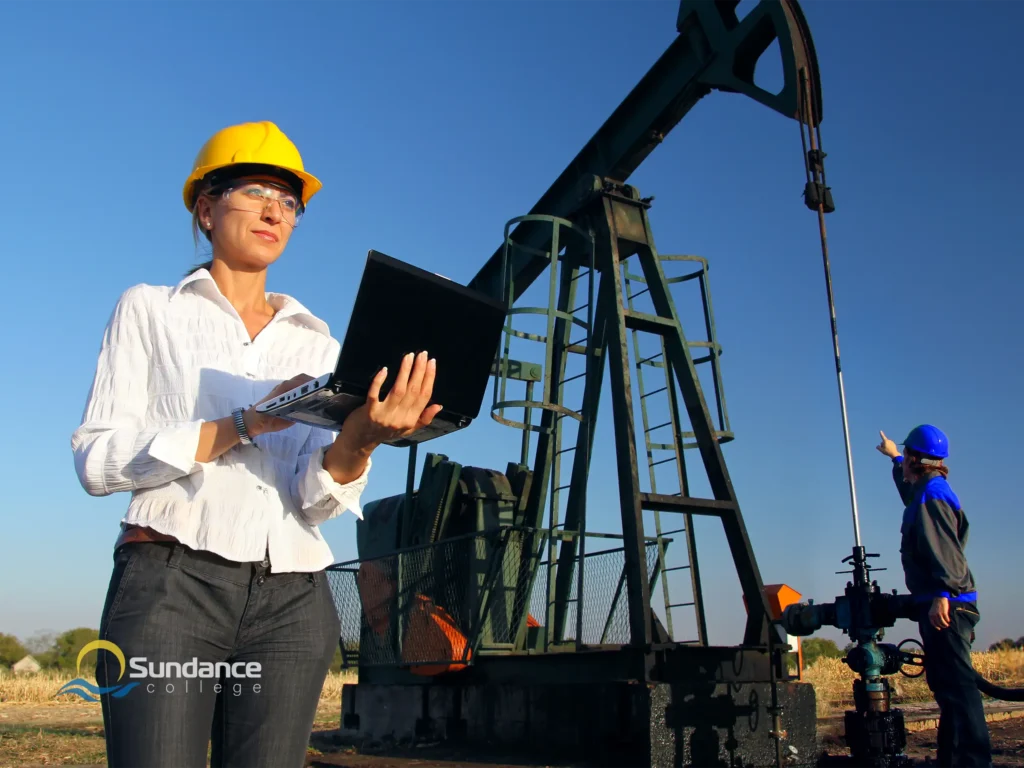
[(336, 662), (11, 650), (68, 644), (41, 642), (815, 648), (1006, 644)]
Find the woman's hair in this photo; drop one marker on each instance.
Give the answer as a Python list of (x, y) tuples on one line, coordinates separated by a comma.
[(919, 467), (197, 229)]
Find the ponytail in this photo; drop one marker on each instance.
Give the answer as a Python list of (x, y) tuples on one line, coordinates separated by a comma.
[(921, 464), (196, 230)]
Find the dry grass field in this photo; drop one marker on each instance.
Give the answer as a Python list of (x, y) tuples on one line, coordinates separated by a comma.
[(37, 728), (833, 680)]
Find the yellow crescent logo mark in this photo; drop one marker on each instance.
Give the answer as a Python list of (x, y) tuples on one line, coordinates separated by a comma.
[(105, 645)]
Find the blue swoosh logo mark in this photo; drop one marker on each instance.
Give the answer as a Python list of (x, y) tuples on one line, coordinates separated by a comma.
[(86, 690)]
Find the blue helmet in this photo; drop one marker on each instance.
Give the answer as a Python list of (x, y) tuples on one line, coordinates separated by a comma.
[(928, 440)]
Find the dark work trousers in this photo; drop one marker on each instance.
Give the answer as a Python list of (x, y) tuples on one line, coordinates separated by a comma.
[(963, 733), (169, 603)]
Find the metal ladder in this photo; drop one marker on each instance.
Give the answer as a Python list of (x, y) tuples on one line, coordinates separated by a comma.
[(557, 525), (564, 321), (662, 452)]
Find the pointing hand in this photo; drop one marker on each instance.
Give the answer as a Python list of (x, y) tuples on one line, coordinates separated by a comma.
[(887, 447)]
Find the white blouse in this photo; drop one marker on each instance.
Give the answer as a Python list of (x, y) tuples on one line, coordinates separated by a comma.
[(172, 358)]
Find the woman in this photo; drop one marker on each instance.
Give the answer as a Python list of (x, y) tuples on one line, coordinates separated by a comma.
[(932, 551), (219, 567)]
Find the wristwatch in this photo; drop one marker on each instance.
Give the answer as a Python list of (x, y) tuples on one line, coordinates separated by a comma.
[(243, 433)]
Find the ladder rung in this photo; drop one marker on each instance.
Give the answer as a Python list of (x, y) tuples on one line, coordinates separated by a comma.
[(638, 293), (563, 487), (663, 446), (664, 503), (581, 274), (669, 533), (658, 427), (676, 568), (578, 343), (565, 450), (648, 359), (583, 306), (573, 378), (641, 321), (652, 392), (662, 461), (681, 605)]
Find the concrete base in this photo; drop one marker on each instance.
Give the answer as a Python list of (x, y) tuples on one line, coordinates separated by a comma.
[(600, 723)]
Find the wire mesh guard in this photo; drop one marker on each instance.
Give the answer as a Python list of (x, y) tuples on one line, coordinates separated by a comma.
[(605, 613), (434, 608)]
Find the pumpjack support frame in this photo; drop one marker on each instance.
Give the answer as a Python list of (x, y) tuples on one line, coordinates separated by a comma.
[(502, 677)]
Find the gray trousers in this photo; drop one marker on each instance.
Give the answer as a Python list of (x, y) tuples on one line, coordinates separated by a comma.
[(963, 738), (273, 634)]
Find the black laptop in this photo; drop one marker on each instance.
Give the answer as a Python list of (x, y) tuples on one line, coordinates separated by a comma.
[(401, 308)]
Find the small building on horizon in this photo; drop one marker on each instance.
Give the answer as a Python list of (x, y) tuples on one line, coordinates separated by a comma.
[(26, 666)]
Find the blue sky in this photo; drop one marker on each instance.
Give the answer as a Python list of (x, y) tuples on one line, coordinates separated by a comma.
[(431, 124)]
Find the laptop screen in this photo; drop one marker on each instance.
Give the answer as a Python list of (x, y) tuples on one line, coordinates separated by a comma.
[(401, 308)]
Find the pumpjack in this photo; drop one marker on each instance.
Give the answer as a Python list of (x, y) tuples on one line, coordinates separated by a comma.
[(482, 610)]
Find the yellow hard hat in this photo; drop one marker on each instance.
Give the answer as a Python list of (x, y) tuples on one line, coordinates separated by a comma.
[(246, 147)]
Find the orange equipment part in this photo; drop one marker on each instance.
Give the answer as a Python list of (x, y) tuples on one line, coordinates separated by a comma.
[(432, 635), (376, 592), (779, 596)]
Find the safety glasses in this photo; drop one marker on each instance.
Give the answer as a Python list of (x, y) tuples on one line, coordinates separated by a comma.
[(257, 196)]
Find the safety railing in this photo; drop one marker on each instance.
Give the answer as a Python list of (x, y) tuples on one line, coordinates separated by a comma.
[(436, 608)]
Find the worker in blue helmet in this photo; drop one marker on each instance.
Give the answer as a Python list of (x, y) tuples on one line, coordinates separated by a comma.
[(935, 568)]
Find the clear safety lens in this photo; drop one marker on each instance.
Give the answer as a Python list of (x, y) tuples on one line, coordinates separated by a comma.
[(255, 197)]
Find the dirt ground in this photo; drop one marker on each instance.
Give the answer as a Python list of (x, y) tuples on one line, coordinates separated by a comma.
[(72, 734), (1007, 743), (1007, 752)]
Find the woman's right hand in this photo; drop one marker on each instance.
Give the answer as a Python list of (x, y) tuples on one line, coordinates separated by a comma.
[(259, 423), (887, 447)]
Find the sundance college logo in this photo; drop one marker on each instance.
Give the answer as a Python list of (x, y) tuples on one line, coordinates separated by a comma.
[(163, 676)]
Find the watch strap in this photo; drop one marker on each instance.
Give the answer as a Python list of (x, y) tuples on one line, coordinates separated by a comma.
[(243, 433)]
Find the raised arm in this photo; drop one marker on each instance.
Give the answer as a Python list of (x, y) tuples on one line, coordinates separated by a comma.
[(888, 448)]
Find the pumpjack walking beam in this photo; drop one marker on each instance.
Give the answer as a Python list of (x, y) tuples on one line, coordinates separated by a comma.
[(714, 50)]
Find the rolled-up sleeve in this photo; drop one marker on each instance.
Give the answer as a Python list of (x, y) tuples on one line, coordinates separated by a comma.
[(114, 448), (318, 496)]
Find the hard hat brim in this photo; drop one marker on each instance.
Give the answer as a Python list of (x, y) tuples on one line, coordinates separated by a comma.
[(310, 183)]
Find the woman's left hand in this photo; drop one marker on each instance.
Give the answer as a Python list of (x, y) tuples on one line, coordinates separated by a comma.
[(402, 412), (938, 616)]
